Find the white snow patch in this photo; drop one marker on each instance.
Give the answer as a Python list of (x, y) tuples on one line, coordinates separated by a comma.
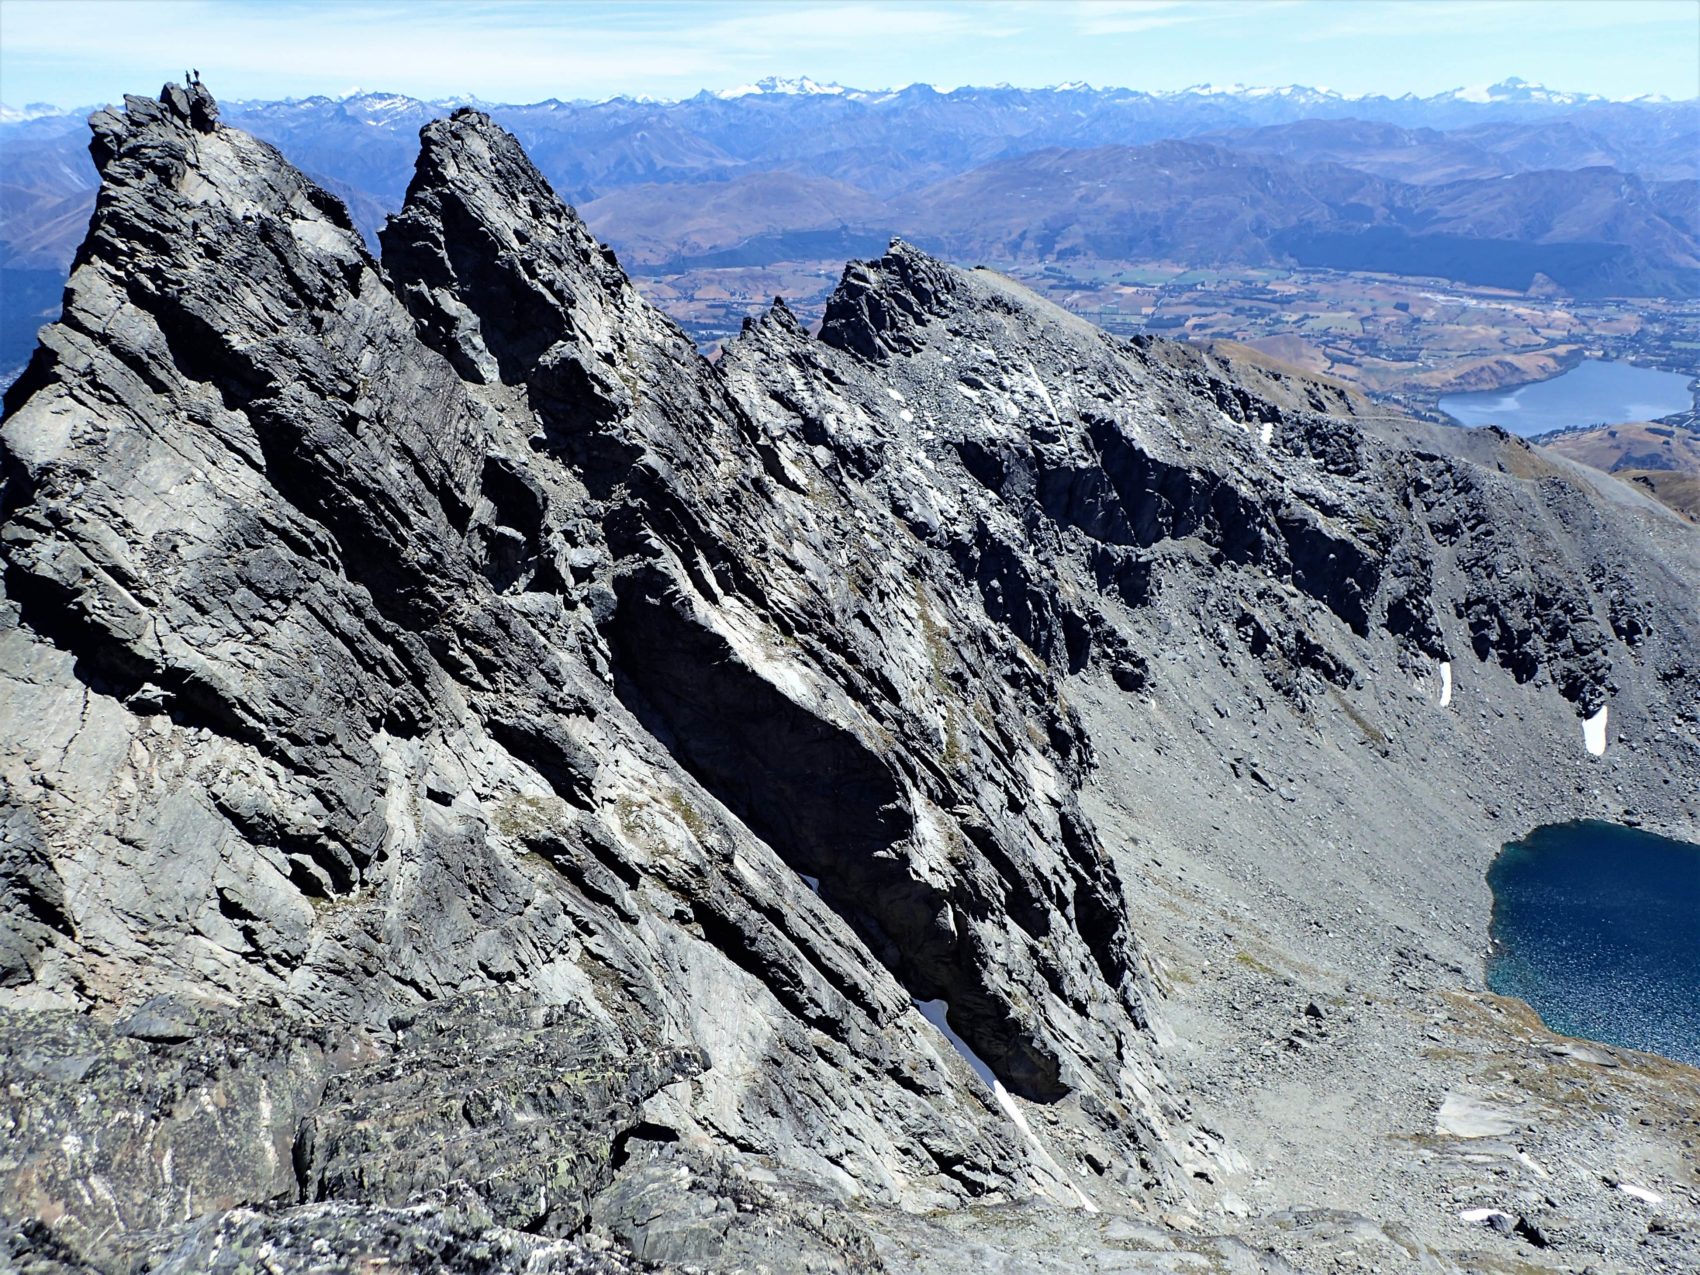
[(895, 396), (907, 416), (1445, 683), (967, 393), (935, 1012), (1267, 432), (1594, 732), (1640, 1193)]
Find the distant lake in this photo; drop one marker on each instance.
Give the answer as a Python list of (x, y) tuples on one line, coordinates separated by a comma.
[(1598, 927), (1591, 393)]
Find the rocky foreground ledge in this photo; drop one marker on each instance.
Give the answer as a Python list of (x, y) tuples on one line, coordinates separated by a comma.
[(486, 790)]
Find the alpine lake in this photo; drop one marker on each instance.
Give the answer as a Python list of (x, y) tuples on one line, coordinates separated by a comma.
[(1597, 927), (1591, 393)]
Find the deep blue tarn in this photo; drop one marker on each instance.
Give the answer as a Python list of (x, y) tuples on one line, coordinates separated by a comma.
[(1597, 926)]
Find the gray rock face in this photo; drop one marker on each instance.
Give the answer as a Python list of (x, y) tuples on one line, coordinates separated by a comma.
[(482, 781)]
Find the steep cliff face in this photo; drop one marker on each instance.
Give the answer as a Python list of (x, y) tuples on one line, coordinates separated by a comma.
[(481, 779)]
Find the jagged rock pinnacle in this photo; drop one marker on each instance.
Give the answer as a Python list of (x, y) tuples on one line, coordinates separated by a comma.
[(877, 304)]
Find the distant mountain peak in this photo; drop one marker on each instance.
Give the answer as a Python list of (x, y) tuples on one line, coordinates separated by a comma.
[(799, 86), (1294, 92), (31, 111), (1516, 89), (1208, 90)]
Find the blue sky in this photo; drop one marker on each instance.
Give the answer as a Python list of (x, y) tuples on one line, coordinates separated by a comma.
[(81, 52)]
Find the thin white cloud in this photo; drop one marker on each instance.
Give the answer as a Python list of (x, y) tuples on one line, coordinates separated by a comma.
[(830, 26), (1477, 18), (494, 49), (1129, 17)]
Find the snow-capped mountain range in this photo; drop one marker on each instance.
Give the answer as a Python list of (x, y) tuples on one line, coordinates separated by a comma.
[(1510, 92)]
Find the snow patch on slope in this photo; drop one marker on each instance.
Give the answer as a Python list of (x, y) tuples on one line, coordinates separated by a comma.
[(1594, 732), (936, 1012)]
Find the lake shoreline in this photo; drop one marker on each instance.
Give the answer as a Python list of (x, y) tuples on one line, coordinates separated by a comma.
[(1600, 393)]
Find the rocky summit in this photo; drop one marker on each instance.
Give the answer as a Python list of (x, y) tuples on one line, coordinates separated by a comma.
[(486, 789)]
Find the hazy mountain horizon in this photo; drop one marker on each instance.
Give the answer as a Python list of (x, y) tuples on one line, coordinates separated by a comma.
[(1511, 89)]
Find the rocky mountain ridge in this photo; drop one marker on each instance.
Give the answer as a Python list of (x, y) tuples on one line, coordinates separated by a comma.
[(487, 785)]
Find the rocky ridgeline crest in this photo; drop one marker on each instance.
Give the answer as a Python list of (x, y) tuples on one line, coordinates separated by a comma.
[(482, 780)]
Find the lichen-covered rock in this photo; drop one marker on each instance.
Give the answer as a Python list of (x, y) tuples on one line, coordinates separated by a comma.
[(129, 1127), (443, 1232), (525, 1108)]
